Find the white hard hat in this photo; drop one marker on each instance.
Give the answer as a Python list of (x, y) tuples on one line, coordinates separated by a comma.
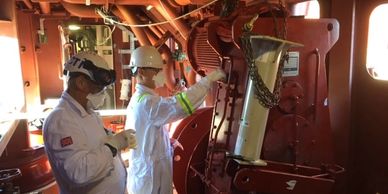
[(146, 56), (91, 65)]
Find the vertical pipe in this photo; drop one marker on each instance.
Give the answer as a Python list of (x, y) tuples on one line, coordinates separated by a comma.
[(45, 7), (316, 98), (146, 37), (167, 56)]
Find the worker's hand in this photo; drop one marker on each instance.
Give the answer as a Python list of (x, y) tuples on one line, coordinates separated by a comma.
[(124, 139), (216, 75), (175, 143)]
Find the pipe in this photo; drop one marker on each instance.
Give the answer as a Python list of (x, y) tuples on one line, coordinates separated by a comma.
[(173, 3), (116, 2), (169, 68), (180, 32), (48, 1), (80, 10), (143, 36), (160, 29), (135, 2), (155, 31), (57, 15), (266, 53), (318, 69), (191, 76), (168, 14), (195, 2), (131, 18), (169, 27), (151, 36), (45, 7), (163, 8), (166, 55), (28, 4), (146, 37), (161, 40)]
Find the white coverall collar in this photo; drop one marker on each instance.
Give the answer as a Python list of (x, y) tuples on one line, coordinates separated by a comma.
[(77, 106), (144, 89)]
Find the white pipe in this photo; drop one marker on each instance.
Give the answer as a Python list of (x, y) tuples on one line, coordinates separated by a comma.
[(254, 116)]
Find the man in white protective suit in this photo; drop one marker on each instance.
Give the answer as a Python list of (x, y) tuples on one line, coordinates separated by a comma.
[(84, 156), (150, 169)]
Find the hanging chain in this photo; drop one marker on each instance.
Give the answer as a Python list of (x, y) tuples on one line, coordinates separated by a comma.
[(285, 15), (275, 20), (263, 94)]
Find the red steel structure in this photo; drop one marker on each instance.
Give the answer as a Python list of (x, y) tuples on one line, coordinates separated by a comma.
[(298, 142)]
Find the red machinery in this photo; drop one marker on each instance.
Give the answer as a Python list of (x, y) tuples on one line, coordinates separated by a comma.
[(31, 172), (24, 169), (296, 154)]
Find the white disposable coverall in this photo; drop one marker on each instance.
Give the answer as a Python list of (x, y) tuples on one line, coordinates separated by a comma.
[(80, 161), (150, 169)]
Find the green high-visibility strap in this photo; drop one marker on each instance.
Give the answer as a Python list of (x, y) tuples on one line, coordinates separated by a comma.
[(185, 103), (141, 97)]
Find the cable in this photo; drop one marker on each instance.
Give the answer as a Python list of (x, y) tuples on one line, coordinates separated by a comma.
[(112, 21)]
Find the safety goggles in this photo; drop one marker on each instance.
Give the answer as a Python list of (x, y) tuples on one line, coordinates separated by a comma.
[(98, 75)]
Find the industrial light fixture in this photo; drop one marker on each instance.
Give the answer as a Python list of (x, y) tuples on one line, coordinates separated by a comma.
[(149, 7), (74, 27)]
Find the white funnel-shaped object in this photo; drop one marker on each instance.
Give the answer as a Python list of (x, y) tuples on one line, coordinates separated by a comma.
[(267, 52)]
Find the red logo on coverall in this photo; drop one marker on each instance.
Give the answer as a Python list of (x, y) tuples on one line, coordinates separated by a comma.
[(66, 141)]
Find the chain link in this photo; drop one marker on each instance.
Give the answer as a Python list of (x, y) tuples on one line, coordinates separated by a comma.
[(262, 93), (283, 8)]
